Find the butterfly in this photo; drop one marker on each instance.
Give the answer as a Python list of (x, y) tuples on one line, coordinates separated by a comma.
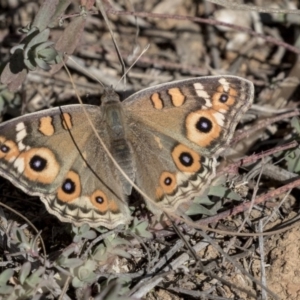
[(165, 138)]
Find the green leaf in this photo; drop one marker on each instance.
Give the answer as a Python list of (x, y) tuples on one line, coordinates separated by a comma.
[(83, 232), (71, 262), (90, 235), (22, 239), (100, 253), (196, 209), (35, 278), (117, 241), (6, 290), (205, 200), (224, 192), (140, 228), (293, 160), (42, 64), (8, 98), (45, 14), (29, 64), (24, 272), (295, 122), (5, 276), (122, 253), (43, 46), (48, 54), (77, 283), (85, 273)]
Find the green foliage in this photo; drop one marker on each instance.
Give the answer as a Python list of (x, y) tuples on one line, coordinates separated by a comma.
[(115, 289), (6, 289), (293, 160), (8, 99), (200, 204), (27, 280), (140, 228), (26, 285), (83, 232), (292, 157), (295, 122), (23, 242), (82, 268), (223, 192), (196, 208), (36, 50), (112, 246), (84, 274)]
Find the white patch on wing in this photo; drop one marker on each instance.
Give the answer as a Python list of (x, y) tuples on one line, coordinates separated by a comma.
[(19, 164), (20, 126), (203, 94), (225, 84), (219, 117), (21, 146), (21, 134)]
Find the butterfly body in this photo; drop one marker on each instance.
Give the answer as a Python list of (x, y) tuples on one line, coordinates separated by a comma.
[(165, 138), (114, 123)]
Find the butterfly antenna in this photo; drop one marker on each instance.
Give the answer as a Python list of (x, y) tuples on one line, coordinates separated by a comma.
[(102, 10), (142, 53)]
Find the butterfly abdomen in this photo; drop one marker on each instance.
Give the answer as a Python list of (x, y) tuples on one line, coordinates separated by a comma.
[(122, 153), (119, 146)]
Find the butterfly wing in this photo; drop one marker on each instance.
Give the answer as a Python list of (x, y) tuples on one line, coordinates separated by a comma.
[(201, 113), (179, 128), (175, 131), (54, 154), (168, 172)]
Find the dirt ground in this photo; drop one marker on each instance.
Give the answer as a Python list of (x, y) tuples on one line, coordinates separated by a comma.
[(257, 183)]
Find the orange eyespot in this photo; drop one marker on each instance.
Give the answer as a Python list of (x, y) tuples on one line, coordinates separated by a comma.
[(8, 149), (100, 201), (39, 165), (203, 126), (71, 188), (186, 159)]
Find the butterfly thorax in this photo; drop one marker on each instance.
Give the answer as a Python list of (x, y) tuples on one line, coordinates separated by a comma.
[(120, 148)]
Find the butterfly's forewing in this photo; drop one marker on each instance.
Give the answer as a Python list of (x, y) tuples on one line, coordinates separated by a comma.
[(55, 154), (178, 129), (201, 113)]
